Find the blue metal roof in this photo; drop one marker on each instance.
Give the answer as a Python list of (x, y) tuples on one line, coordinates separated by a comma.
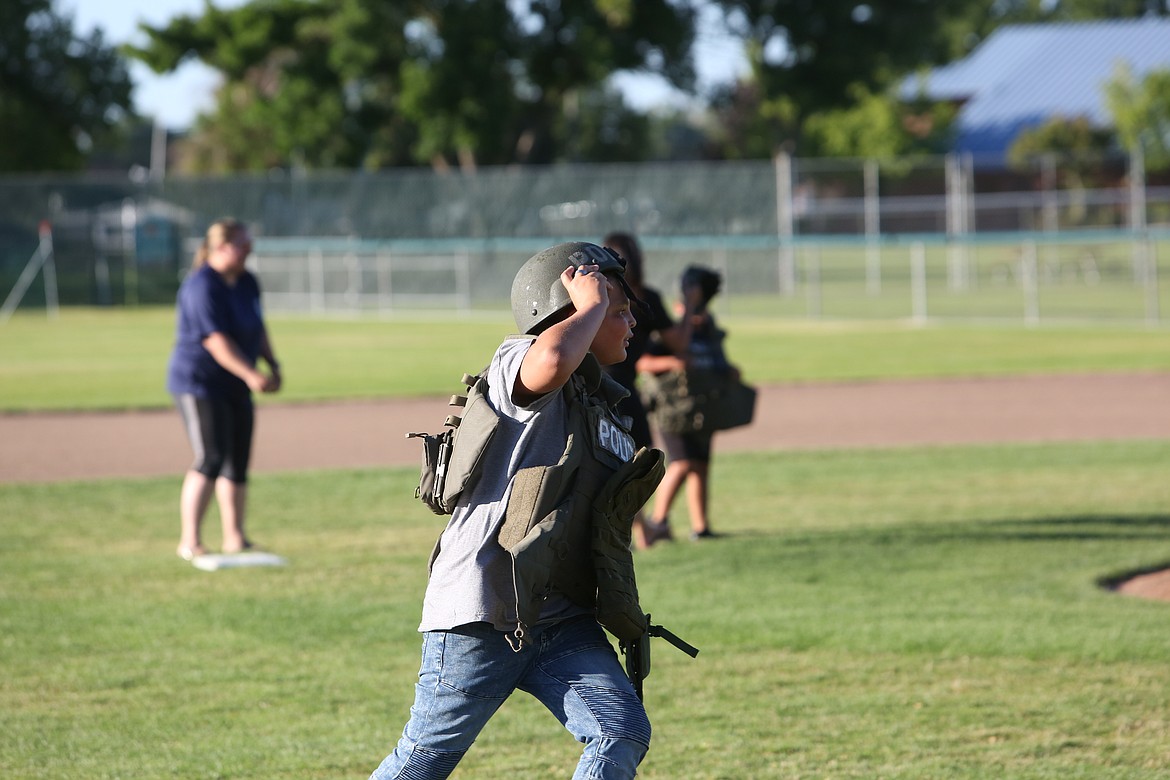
[(1023, 75)]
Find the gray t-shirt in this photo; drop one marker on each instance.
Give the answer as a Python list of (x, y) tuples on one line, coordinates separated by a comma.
[(471, 579)]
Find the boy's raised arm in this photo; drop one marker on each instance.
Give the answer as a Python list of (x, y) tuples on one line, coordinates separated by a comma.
[(557, 352)]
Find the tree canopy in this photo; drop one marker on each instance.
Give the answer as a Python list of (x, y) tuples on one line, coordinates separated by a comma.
[(59, 93), (1141, 114), (369, 84), (822, 73), (364, 83)]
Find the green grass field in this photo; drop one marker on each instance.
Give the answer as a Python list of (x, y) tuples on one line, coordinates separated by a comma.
[(921, 614), (927, 613), (116, 358)]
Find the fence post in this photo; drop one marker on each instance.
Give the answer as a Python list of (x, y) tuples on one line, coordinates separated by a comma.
[(812, 280), (918, 283), (784, 223), (1153, 302), (1049, 199), (128, 226), (385, 281), (1137, 205), (354, 289), (873, 250), (970, 257), (956, 219), (463, 279), (158, 151), (316, 281), (1137, 188), (52, 304), (1029, 282)]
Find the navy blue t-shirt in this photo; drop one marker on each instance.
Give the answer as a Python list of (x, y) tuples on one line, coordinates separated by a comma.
[(207, 304)]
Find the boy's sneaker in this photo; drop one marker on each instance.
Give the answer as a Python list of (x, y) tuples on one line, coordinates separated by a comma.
[(706, 533)]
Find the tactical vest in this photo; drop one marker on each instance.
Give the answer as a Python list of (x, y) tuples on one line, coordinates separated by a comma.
[(567, 526)]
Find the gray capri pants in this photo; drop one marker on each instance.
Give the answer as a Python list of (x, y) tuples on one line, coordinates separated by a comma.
[(220, 432)]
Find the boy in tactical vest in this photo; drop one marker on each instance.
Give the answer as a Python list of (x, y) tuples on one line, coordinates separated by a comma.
[(513, 600)]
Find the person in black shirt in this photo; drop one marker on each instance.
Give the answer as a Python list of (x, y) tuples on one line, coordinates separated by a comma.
[(653, 320), (689, 453)]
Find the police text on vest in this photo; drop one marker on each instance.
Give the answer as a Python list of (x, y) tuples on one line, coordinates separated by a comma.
[(615, 440)]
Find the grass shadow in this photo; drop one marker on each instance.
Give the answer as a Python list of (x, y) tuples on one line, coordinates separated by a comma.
[(1066, 528), (1114, 581)]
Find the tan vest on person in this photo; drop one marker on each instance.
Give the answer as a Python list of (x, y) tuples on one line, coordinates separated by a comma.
[(567, 526)]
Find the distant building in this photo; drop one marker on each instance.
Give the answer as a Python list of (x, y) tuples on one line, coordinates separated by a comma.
[(1024, 75)]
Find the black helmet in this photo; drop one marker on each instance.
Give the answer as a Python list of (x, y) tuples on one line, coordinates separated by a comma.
[(539, 298), (707, 280)]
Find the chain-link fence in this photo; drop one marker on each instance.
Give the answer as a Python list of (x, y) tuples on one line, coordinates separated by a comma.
[(1028, 277), (794, 236)]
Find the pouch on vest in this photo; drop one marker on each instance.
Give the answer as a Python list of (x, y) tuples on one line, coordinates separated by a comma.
[(435, 457), (618, 609), (452, 460), (539, 534), (548, 523)]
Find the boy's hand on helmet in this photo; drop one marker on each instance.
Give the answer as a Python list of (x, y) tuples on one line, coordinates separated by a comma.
[(586, 286)]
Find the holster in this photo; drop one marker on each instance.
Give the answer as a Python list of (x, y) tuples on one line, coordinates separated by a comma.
[(637, 652), (452, 460)]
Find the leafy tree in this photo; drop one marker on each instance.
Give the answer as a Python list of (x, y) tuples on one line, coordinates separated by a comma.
[(59, 93), (1072, 138), (1141, 114), (298, 89), (819, 71), (880, 126), (807, 58), (572, 46), (601, 128), (369, 83), (749, 125), (1078, 144), (457, 87)]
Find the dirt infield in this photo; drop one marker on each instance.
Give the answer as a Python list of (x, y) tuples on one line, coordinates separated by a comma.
[(53, 447)]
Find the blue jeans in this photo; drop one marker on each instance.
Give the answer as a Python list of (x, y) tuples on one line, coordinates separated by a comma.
[(468, 672)]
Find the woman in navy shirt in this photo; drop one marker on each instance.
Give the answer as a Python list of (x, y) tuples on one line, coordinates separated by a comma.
[(219, 336)]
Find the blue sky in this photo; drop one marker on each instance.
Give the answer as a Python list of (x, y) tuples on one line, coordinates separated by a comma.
[(174, 99)]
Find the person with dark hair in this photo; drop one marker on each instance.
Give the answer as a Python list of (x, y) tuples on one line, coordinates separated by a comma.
[(529, 567), (688, 451), (220, 334), (653, 321)]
